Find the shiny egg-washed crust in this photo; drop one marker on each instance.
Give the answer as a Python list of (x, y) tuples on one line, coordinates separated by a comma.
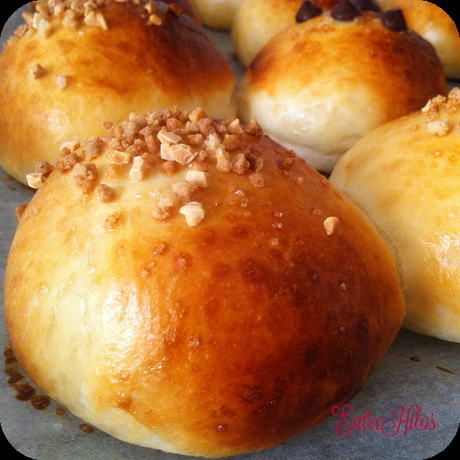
[(61, 78), (319, 86), (230, 332), (257, 21), (436, 26), (406, 177)]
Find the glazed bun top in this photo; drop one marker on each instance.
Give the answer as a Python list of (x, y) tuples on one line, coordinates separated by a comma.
[(320, 85), (75, 65), (405, 176), (436, 26), (192, 269)]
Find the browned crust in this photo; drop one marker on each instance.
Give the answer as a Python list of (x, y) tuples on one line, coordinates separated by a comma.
[(229, 336)]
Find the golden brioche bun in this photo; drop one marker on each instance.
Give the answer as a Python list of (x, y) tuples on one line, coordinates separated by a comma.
[(319, 86), (217, 14), (257, 21), (62, 77), (216, 301), (436, 26), (406, 177)]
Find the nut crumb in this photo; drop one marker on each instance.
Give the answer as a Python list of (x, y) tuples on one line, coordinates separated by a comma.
[(85, 175), (105, 194), (257, 180), (20, 210), (35, 180), (63, 81), (193, 212), (198, 178), (37, 71), (163, 208), (330, 224), (139, 169), (113, 221), (439, 127), (197, 115)]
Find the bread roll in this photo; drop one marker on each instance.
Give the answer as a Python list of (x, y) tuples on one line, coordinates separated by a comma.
[(436, 26), (319, 86), (406, 177), (257, 21), (217, 14), (201, 291), (72, 68)]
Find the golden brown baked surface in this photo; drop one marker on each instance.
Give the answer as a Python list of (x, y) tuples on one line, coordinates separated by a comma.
[(405, 177), (436, 26), (65, 74), (200, 289), (319, 86), (257, 21)]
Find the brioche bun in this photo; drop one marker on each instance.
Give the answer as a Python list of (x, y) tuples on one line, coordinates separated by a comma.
[(257, 21), (209, 296), (406, 177), (319, 86), (66, 73)]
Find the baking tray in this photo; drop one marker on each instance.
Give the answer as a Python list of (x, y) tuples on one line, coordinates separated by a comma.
[(415, 389)]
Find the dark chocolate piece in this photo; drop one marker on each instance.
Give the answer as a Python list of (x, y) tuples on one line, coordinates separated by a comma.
[(394, 20), (345, 11), (307, 11)]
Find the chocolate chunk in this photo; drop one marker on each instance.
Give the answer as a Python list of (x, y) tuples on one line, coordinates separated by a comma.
[(366, 5), (307, 11), (394, 20), (345, 11)]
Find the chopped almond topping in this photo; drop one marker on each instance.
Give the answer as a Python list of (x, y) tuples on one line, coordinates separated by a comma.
[(163, 208), (105, 194), (330, 224), (231, 141), (166, 137), (117, 157), (43, 167), (184, 190), (224, 163), (113, 221), (235, 127), (439, 127), (69, 147), (197, 115), (95, 19), (37, 71), (240, 164), (36, 180), (254, 128), (193, 212), (63, 81), (182, 153), (139, 169), (154, 20), (85, 175), (257, 180), (198, 178)]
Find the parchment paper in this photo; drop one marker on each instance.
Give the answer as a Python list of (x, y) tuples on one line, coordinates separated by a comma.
[(419, 378)]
